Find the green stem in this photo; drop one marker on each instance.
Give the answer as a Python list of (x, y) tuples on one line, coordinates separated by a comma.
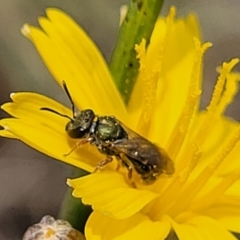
[(138, 24), (72, 209)]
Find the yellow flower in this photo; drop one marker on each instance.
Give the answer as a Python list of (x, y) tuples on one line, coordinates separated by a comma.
[(201, 199)]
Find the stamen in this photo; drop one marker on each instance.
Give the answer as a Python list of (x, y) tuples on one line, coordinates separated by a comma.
[(218, 190), (171, 193), (183, 176), (225, 70), (231, 89), (195, 186), (215, 109), (218, 103), (150, 85), (171, 16), (141, 54), (183, 123), (150, 80)]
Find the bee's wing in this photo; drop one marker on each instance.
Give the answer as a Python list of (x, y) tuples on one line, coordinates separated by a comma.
[(140, 149), (131, 134), (135, 148)]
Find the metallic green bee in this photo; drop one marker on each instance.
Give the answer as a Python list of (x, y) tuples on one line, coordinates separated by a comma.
[(113, 139)]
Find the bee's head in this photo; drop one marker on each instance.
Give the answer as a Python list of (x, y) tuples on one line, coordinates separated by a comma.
[(80, 125)]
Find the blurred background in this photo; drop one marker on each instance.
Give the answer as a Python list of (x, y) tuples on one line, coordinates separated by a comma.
[(31, 184)]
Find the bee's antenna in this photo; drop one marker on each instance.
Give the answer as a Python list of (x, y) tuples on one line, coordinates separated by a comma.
[(53, 111), (70, 98)]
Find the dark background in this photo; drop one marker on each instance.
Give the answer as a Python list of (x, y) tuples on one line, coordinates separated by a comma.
[(31, 184)]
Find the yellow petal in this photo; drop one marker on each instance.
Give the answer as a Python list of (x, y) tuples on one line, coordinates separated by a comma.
[(28, 106), (227, 211), (211, 228), (202, 228), (71, 55), (109, 193), (51, 142), (6, 133), (234, 189), (137, 227), (45, 131), (219, 134)]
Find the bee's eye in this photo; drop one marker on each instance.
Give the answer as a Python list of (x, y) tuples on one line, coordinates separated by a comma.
[(146, 168), (75, 131), (140, 167), (79, 128)]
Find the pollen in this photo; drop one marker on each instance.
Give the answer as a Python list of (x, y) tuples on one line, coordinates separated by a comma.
[(149, 80), (194, 92), (150, 76), (220, 99), (193, 188), (219, 88), (199, 182)]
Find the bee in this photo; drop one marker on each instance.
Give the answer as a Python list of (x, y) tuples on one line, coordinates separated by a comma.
[(113, 139)]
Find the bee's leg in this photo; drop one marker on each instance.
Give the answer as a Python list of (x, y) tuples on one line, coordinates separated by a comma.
[(130, 173), (103, 163), (119, 163), (129, 168), (77, 145)]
